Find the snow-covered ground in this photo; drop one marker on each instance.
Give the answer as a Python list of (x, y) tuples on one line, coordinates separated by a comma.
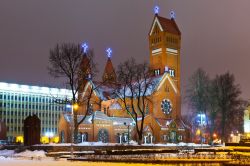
[(132, 143), (63, 162), (25, 154), (38, 158)]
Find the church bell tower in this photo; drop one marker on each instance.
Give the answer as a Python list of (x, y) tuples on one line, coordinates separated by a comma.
[(164, 46)]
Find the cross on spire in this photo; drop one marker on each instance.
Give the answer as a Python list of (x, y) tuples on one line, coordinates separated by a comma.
[(85, 47), (109, 52), (172, 14), (156, 9)]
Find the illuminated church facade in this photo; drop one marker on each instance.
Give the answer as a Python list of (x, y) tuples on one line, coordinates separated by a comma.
[(109, 120)]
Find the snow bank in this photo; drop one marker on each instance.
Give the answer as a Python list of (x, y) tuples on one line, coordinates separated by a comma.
[(6, 153), (132, 142), (30, 154)]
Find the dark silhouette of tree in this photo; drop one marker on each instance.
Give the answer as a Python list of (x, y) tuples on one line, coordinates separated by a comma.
[(197, 96), (219, 100), (213, 108), (197, 91), (68, 61), (230, 106), (135, 83)]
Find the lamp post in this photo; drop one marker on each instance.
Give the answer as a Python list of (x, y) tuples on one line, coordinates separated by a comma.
[(73, 107), (128, 131), (129, 124), (202, 124)]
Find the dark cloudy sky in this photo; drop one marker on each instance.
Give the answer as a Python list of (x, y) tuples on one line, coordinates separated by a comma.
[(215, 34)]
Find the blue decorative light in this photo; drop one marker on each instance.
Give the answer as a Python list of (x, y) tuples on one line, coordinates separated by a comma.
[(166, 69), (68, 106), (172, 14), (156, 9), (109, 52), (85, 47)]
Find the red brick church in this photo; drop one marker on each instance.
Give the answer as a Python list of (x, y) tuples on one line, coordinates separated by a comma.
[(110, 122)]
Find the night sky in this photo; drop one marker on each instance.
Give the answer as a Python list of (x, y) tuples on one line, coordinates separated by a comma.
[(215, 35)]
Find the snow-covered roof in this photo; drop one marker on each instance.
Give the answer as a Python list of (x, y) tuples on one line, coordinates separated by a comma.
[(122, 121), (101, 116), (152, 84), (166, 122), (109, 91), (115, 106), (103, 91), (87, 120)]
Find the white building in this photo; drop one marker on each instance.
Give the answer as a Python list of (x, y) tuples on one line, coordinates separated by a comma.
[(247, 121), (19, 101)]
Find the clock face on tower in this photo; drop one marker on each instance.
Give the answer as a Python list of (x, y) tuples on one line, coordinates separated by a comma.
[(166, 106)]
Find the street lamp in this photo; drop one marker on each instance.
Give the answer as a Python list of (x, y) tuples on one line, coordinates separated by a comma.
[(73, 107), (202, 124), (214, 138), (128, 131), (129, 124)]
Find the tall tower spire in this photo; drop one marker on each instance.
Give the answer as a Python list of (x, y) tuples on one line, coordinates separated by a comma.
[(109, 75), (164, 46), (85, 64)]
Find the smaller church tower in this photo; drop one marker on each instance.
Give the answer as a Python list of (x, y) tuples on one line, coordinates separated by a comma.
[(85, 64), (109, 75), (85, 72)]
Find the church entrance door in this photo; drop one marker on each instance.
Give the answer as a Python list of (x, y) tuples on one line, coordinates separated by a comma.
[(103, 136), (173, 136)]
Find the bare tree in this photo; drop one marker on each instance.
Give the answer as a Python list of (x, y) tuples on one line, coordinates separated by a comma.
[(68, 61), (213, 108), (197, 91), (230, 106), (197, 96), (135, 85), (219, 100)]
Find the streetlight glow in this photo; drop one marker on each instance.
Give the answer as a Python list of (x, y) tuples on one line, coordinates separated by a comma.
[(75, 106)]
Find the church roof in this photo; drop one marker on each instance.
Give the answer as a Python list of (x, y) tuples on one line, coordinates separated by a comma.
[(166, 123), (87, 120), (167, 25), (107, 91), (155, 81), (115, 106), (109, 74), (104, 91), (99, 115)]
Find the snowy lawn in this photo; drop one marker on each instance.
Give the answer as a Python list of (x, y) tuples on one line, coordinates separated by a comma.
[(51, 162), (8, 154), (131, 143)]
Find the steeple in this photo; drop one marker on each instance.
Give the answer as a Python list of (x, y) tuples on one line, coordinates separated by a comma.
[(109, 75), (85, 64), (85, 68)]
